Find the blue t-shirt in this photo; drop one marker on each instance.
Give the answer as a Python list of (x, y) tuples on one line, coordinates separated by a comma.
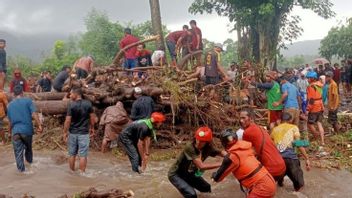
[(19, 113), (291, 99)]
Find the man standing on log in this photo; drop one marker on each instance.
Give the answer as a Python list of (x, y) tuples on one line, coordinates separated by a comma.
[(135, 139), (213, 67), (20, 112), (79, 122), (197, 42), (142, 107), (84, 66), (60, 79), (3, 67), (114, 119), (130, 54), (174, 42)]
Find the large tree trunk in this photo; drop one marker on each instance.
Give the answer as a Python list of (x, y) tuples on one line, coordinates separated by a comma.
[(52, 107), (156, 23), (41, 96)]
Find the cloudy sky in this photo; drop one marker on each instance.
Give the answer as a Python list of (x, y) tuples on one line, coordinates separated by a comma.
[(67, 16)]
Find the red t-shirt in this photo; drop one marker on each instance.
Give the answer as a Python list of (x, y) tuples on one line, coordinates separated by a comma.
[(174, 36), (337, 75), (269, 156), (127, 40), (143, 53), (196, 32)]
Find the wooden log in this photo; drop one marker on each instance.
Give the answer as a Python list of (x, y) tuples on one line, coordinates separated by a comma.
[(40, 96), (181, 64), (122, 51), (52, 107)]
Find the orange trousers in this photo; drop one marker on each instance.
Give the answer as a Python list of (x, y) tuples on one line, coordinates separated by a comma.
[(264, 188)]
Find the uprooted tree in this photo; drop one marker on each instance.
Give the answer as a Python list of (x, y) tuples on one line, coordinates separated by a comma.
[(262, 26)]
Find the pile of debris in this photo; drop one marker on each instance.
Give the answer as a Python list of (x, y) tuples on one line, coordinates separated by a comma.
[(186, 101)]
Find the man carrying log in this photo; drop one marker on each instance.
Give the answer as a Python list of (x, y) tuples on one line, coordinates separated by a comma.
[(197, 40), (213, 67), (135, 139), (142, 107), (79, 122), (114, 119), (130, 54), (174, 41), (84, 66), (20, 112)]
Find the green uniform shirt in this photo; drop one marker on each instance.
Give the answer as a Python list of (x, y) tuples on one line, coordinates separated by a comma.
[(274, 95), (184, 163)]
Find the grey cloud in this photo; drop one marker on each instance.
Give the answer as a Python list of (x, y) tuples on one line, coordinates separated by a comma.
[(67, 16)]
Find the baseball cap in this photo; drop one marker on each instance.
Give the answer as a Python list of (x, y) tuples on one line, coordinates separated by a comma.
[(219, 45)]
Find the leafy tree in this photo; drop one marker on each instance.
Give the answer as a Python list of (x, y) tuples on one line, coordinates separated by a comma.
[(230, 55), (25, 64), (101, 37), (338, 42), (259, 23)]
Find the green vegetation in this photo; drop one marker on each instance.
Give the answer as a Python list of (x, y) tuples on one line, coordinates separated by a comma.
[(262, 26), (101, 40), (338, 42)]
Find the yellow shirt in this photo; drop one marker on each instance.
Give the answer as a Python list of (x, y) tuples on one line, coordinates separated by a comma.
[(333, 96), (284, 135)]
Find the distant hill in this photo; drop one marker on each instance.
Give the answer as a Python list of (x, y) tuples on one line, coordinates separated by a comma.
[(35, 47), (305, 48)]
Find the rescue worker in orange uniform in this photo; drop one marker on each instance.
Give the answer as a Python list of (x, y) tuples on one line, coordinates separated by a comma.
[(315, 108), (242, 163)]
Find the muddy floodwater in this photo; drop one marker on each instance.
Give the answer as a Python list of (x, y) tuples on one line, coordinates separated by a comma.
[(50, 177)]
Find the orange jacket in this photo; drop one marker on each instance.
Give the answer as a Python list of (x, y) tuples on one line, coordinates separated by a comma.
[(245, 166), (314, 97)]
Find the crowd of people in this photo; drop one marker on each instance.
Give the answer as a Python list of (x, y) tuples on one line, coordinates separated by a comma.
[(258, 157)]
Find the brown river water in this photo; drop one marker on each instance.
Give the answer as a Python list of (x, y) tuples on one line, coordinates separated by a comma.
[(50, 177)]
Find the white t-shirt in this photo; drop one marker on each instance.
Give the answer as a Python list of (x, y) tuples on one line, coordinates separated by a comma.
[(239, 133), (157, 55)]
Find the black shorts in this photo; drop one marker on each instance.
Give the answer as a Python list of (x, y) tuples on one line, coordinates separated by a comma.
[(212, 80), (315, 117), (81, 73), (294, 172), (332, 117)]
